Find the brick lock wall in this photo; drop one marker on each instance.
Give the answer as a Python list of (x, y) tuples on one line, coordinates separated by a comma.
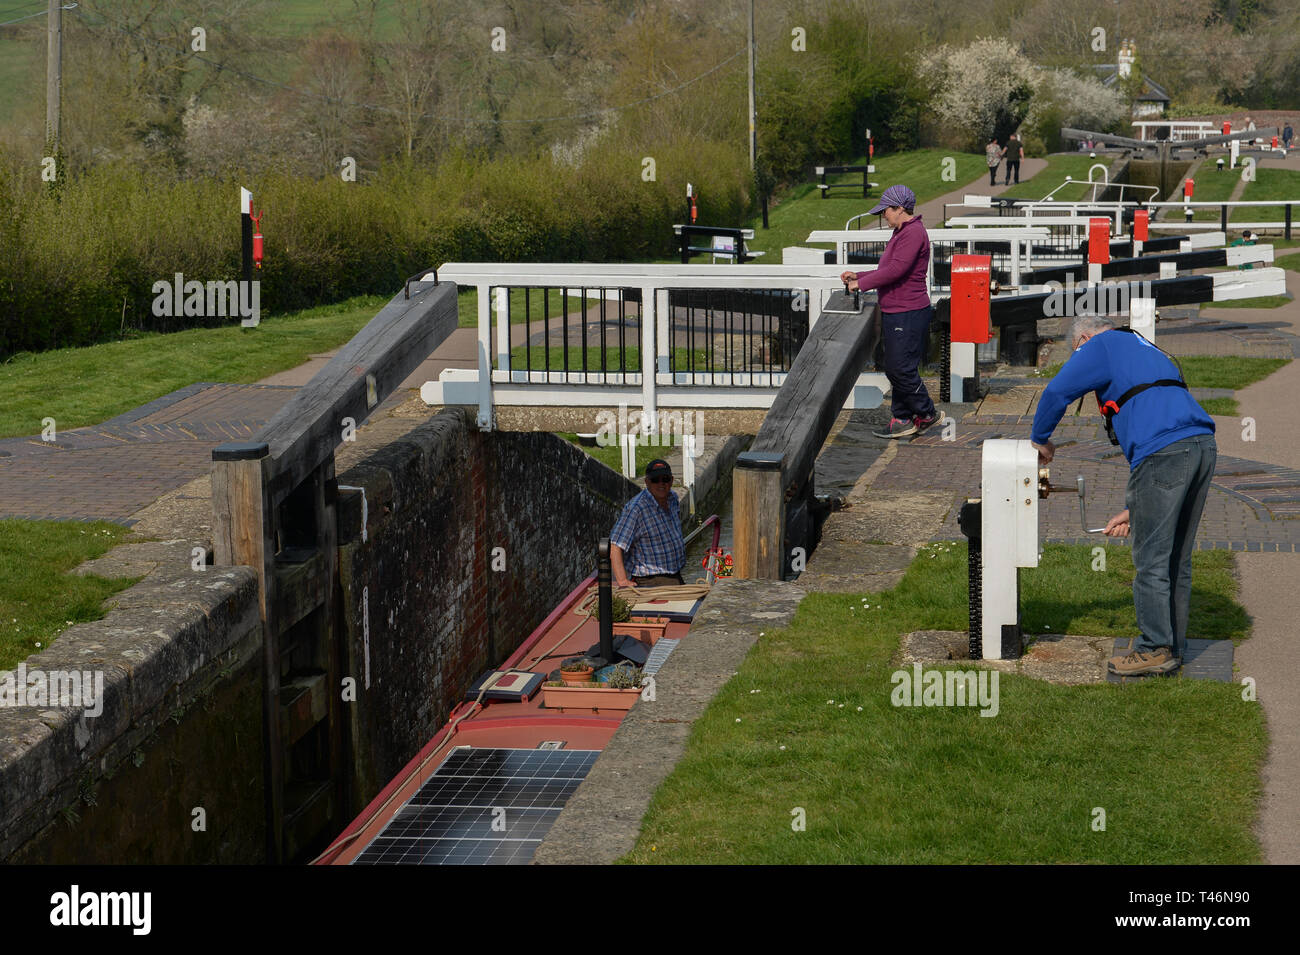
[(439, 500)]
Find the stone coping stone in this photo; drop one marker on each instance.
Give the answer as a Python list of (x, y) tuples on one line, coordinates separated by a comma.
[(601, 821)]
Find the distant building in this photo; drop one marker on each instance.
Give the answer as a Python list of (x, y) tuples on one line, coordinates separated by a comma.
[(1152, 100)]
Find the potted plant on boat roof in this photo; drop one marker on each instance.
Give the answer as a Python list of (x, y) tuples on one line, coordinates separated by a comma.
[(619, 692), (577, 670), (646, 629)]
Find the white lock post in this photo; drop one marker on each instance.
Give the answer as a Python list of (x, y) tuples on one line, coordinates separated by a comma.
[(1008, 540), (1142, 317), (962, 363)]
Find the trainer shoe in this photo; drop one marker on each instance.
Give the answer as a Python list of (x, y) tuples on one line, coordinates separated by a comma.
[(1141, 664), (898, 428), (925, 421)]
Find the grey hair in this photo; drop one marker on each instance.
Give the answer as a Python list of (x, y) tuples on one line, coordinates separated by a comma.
[(1089, 325)]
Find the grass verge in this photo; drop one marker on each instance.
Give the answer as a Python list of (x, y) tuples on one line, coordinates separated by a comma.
[(802, 210), (83, 386), (807, 724), (38, 597), (1262, 301), (626, 360), (612, 455), (1269, 185), (1059, 165)]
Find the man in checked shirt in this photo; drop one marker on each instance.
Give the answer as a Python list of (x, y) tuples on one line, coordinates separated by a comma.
[(647, 548)]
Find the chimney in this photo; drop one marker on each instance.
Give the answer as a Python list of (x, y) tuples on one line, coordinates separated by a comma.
[(1126, 57)]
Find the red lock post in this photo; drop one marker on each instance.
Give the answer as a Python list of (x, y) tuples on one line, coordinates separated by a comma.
[(1098, 241), (1188, 185), (1227, 128), (1275, 142), (1141, 224), (970, 298), (257, 239)]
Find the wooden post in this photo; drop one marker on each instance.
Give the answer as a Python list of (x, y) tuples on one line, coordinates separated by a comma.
[(243, 533), (759, 515)]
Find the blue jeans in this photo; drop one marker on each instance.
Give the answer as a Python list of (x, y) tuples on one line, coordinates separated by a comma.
[(905, 335), (1166, 494)]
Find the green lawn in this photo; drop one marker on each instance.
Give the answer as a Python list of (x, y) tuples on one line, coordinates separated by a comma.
[(802, 210), (630, 362), (1059, 165), (612, 455), (1215, 371), (1290, 262), (1211, 186), (83, 386), (1227, 371), (1262, 301), (1270, 184), (807, 724), (539, 305), (38, 597)]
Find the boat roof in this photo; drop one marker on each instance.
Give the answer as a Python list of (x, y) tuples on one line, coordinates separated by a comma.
[(488, 785)]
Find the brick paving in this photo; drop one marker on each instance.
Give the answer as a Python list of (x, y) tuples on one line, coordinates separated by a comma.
[(112, 470)]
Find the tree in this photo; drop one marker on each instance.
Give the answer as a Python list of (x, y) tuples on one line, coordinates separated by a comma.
[(982, 90)]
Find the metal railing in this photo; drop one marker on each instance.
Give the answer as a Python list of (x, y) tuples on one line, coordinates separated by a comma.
[(1183, 224), (652, 335)]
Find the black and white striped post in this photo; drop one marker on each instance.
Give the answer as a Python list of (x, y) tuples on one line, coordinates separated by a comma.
[(246, 231)]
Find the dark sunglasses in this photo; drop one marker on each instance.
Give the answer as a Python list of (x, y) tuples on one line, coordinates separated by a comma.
[(661, 480)]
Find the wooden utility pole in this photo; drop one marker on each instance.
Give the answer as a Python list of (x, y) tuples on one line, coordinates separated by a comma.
[(53, 73), (753, 117)]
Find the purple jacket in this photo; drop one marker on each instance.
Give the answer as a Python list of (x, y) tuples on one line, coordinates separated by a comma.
[(900, 278)]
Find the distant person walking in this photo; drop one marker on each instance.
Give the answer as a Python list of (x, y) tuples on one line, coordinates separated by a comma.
[(1287, 135), (905, 311), (993, 153), (1250, 127), (1014, 151)]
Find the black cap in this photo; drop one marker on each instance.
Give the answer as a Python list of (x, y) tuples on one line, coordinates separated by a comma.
[(658, 468)]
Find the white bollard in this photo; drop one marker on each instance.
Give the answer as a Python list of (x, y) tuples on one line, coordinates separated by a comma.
[(1008, 539), (629, 443), (1142, 317), (963, 366), (688, 470)]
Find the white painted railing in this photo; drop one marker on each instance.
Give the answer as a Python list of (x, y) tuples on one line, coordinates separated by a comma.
[(655, 383), (1019, 237), (1179, 130)]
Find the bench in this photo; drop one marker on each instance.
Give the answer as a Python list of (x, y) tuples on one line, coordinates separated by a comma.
[(724, 241), (826, 187)]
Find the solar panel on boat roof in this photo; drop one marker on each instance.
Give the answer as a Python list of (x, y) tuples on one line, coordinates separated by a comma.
[(482, 807)]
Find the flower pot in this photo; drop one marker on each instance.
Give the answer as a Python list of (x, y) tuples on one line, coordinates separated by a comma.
[(586, 675), (594, 697), (647, 630)]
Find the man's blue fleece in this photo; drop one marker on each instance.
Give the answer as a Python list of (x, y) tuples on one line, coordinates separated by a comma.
[(1111, 363)]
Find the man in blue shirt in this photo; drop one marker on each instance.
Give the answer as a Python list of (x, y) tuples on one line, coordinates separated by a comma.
[(1168, 440), (647, 548)]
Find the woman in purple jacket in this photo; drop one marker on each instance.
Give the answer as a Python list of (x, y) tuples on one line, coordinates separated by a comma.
[(905, 311)]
